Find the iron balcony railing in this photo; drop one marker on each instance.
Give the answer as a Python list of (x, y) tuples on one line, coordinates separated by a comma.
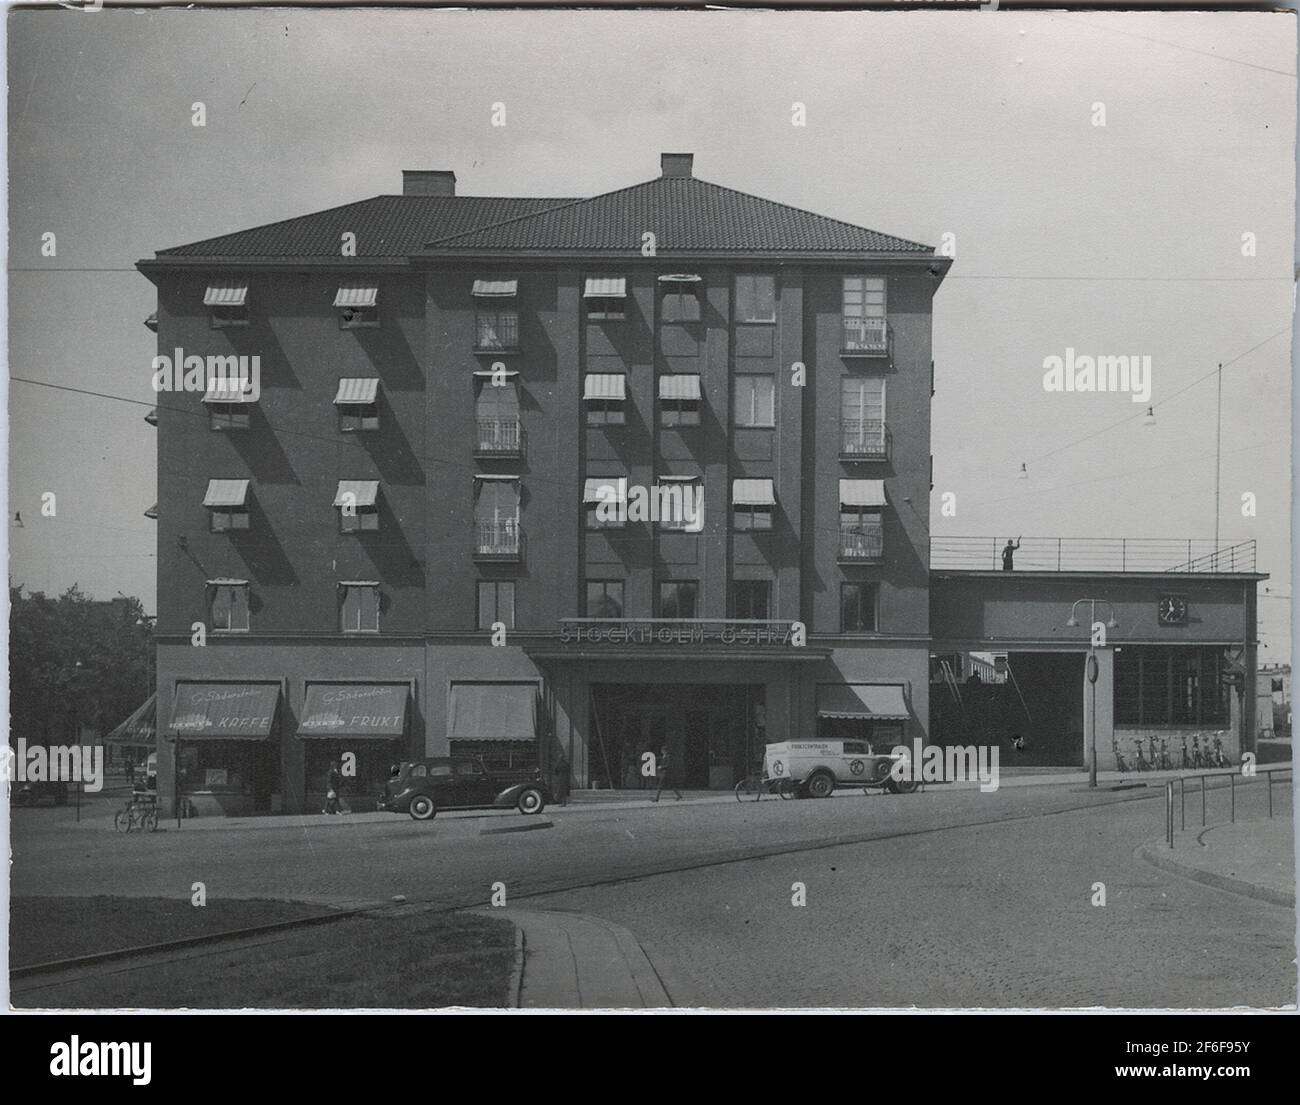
[(862, 542), (863, 439), (1093, 554), (502, 539), (866, 336), (497, 330), (500, 437)]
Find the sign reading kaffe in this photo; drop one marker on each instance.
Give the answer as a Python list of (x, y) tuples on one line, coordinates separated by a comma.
[(660, 631)]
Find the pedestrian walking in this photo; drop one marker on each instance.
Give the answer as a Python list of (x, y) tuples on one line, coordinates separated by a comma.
[(663, 769), (560, 786), (1009, 555), (333, 788)]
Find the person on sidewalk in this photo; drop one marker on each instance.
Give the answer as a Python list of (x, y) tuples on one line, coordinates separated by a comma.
[(663, 770), (333, 785), (560, 787)]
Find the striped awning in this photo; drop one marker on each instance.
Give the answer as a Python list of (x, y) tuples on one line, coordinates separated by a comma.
[(226, 293), (226, 493), (605, 287), (357, 296), (883, 701), (139, 730), (223, 389), (357, 493), (152, 512), (680, 278), (224, 711), (357, 710), (862, 492), (358, 389), (152, 322), (604, 385), (752, 493), (679, 387), (605, 489), (496, 287), (493, 712)]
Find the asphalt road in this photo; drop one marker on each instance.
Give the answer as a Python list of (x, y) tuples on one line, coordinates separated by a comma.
[(935, 899)]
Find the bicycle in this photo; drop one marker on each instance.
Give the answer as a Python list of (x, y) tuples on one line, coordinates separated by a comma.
[(1198, 759), (1140, 764), (758, 785), (1166, 764), (1120, 764), (140, 812), (1220, 758), (1185, 761)]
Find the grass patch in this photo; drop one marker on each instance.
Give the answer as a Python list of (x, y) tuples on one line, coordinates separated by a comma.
[(413, 961), (44, 929)]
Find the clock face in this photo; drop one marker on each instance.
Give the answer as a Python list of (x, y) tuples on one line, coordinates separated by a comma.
[(1172, 610)]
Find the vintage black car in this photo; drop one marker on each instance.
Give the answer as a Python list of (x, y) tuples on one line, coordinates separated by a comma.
[(423, 787)]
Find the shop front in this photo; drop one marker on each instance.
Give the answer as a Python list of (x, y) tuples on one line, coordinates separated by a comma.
[(360, 728), (226, 743)]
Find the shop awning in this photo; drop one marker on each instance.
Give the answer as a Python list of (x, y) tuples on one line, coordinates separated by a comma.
[(357, 710), (752, 493), (878, 701), (226, 293), (224, 711), (494, 288), (361, 389), (862, 492), (226, 493), (493, 712), (605, 287), (139, 730), (357, 493), (357, 296), (679, 387), (604, 385), (680, 278), (223, 389), (604, 489)]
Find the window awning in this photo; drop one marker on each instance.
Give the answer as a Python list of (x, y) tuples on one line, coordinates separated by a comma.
[(489, 373), (139, 730), (226, 493), (152, 322), (605, 489), (357, 493), (862, 492), (680, 479), (752, 493), (496, 288), (604, 385), (357, 390), (357, 295), (493, 712), (227, 582), (356, 710), (880, 701), (225, 389), (680, 278), (152, 512), (679, 387), (605, 287), (493, 477), (226, 293), (224, 711)]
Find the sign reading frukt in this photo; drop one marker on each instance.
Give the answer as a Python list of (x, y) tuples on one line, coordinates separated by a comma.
[(600, 632)]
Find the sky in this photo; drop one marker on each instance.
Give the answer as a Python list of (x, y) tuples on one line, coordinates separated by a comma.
[(969, 127)]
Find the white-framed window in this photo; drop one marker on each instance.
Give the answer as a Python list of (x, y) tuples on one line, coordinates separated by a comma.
[(227, 504), (357, 502), (227, 303), (357, 403), (864, 297), (605, 298), (228, 605), (358, 306), (496, 315), (359, 606), (862, 416), (496, 603), (755, 297), (754, 400)]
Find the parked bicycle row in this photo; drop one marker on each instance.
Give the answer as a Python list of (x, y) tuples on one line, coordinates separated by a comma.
[(1157, 757)]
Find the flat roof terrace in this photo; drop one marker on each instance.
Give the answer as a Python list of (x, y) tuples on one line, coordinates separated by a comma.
[(1093, 555)]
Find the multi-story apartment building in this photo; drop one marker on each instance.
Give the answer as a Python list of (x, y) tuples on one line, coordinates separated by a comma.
[(420, 523)]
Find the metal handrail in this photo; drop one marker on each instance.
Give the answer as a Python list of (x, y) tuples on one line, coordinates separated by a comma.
[(1232, 774), (1094, 554)]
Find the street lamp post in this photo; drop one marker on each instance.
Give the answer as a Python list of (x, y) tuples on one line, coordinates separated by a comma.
[(1090, 670)]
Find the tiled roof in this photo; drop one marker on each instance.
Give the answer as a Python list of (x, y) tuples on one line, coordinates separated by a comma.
[(686, 215), (385, 226)]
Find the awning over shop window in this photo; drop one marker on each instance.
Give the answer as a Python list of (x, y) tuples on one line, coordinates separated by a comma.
[(877, 701), (752, 493), (362, 389), (604, 385), (493, 712), (679, 387), (357, 493), (605, 287), (357, 296), (862, 492), (139, 730), (224, 711), (604, 489), (357, 710), (496, 288), (226, 293), (226, 493), (223, 389)]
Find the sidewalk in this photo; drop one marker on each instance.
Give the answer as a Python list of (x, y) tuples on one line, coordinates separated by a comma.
[(576, 961), (1254, 858)]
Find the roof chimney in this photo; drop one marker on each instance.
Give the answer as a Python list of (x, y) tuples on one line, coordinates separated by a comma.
[(676, 164), (428, 182)]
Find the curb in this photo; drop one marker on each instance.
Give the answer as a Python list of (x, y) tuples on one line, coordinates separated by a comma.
[(515, 987), (1154, 856)]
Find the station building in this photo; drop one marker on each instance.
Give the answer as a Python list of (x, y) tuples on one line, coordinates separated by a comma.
[(441, 509)]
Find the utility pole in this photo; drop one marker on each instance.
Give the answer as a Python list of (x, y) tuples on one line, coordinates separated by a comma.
[(1218, 457)]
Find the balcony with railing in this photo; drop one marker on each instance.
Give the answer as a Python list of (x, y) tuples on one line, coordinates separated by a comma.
[(501, 539), (865, 337), (499, 437), (863, 439), (496, 331), (1093, 554), (862, 542)]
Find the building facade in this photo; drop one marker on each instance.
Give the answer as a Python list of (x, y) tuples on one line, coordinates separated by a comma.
[(525, 477)]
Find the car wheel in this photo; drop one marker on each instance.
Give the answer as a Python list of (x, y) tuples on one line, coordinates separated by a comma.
[(422, 808), (531, 801), (905, 786), (821, 785)]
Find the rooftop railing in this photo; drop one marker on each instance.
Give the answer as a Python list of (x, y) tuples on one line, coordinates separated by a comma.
[(1093, 554)]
